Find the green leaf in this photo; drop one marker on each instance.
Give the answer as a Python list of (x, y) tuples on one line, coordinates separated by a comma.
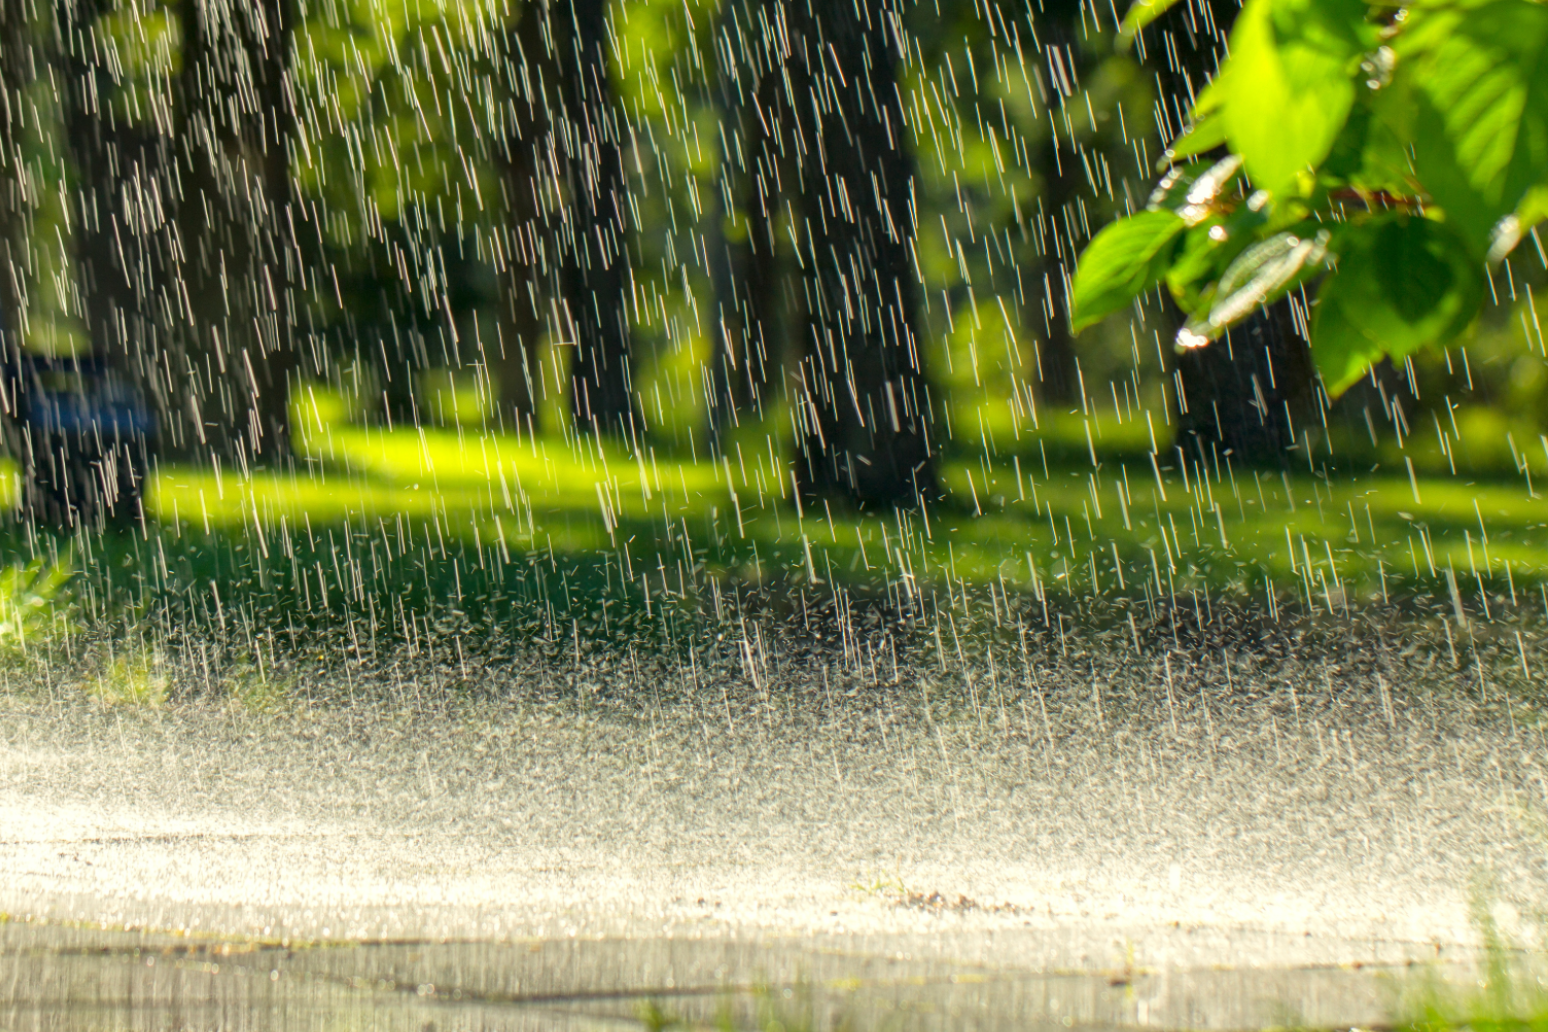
[(1140, 14), (1207, 250), (1207, 130), (1402, 283), (1533, 208), (1121, 262), (1289, 87), (1481, 128), (1198, 260), (1259, 275), (1204, 135), (1341, 350), (1369, 155), (1193, 190), (1507, 232)]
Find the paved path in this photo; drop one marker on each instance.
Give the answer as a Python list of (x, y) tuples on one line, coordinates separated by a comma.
[(993, 841)]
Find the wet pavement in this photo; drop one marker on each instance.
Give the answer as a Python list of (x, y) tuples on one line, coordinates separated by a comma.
[(72, 978), (1160, 863)]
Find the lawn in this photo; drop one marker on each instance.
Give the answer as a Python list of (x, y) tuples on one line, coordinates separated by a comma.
[(1124, 524)]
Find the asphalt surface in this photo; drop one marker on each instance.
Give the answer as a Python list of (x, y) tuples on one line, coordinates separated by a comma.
[(1109, 828)]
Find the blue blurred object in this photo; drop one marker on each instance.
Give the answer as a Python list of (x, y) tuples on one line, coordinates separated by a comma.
[(83, 433), (81, 396)]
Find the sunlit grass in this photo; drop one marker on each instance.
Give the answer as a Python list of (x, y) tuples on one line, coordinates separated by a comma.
[(1506, 993), (1122, 525), (136, 679)]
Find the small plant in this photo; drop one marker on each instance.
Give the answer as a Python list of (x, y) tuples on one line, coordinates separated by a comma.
[(257, 690), (32, 603), (887, 886), (132, 680), (785, 1010), (1507, 995), (657, 1020)]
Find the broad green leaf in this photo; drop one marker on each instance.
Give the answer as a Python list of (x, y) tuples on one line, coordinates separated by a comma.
[(1369, 155), (1402, 283), (1196, 264), (1289, 86), (1266, 256), (1259, 275), (1140, 14), (1121, 262), (1507, 232), (1481, 132), (1207, 130), (1341, 350), (1533, 208), (1193, 190), (1204, 135), (1207, 250)]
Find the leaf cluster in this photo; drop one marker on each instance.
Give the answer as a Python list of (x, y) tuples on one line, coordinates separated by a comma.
[(34, 604), (1388, 153)]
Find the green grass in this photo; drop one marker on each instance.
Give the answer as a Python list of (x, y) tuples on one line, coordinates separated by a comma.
[(1507, 993), (420, 535), (1123, 526)]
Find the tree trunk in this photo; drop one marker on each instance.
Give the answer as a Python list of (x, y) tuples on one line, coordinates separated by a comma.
[(1247, 394), (235, 220), (270, 44), (124, 258), (74, 417), (593, 253), (1059, 168), (862, 395), (17, 70), (525, 286), (745, 267)]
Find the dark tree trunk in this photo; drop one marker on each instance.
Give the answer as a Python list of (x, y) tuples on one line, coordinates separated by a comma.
[(22, 61), (124, 256), (1057, 360), (1059, 167), (18, 67), (236, 220), (1247, 394), (271, 42), (525, 282), (74, 415), (861, 394), (745, 266), (593, 253)]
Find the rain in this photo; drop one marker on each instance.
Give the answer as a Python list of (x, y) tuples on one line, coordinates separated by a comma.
[(559, 511)]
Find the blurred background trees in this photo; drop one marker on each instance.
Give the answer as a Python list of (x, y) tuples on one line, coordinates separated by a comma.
[(831, 245)]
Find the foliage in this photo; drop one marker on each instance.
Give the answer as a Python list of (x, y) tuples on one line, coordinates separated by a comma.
[(32, 603), (1506, 994), (983, 363), (1390, 152), (141, 46), (666, 59), (763, 1008), (996, 134), (376, 132), (401, 110), (133, 680)]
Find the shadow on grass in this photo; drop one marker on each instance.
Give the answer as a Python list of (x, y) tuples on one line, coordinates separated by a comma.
[(1129, 527)]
